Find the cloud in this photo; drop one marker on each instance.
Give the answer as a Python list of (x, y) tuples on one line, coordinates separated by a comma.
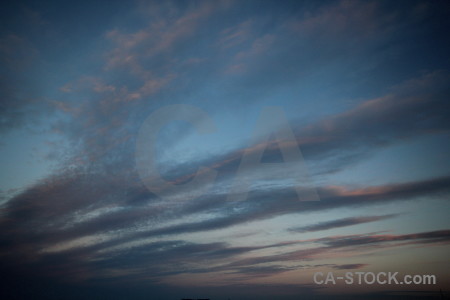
[(414, 108), (105, 107), (107, 210), (161, 36), (235, 35), (349, 266), (439, 236), (268, 205), (336, 21), (411, 109), (341, 223), (351, 242), (104, 206)]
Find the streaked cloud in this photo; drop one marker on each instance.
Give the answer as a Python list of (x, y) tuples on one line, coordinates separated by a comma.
[(341, 223)]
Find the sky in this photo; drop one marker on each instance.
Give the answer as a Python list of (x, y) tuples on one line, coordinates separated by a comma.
[(223, 149)]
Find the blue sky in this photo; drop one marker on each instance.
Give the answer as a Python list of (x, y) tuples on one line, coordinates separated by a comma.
[(363, 87)]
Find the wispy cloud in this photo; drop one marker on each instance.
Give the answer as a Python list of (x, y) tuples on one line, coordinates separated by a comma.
[(341, 223), (355, 242), (25, 225)]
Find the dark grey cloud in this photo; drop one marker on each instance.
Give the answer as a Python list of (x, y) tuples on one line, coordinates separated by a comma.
[(439, 236), (27, 230), (349, 266), (351, 242), (341, 223), (64, 201)]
